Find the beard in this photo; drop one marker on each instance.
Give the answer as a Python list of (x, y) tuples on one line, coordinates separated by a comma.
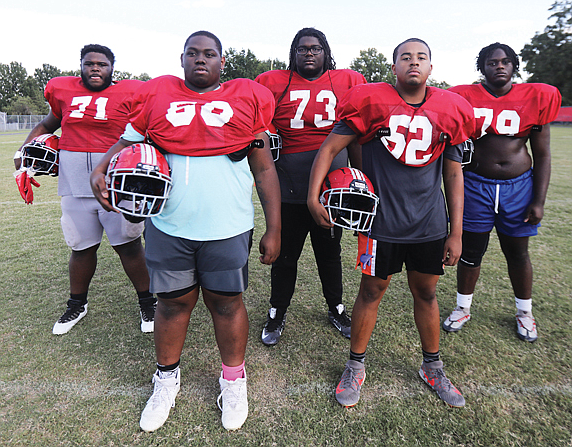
[(106, 83)]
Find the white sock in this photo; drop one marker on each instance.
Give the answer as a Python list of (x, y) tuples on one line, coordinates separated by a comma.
[(523, 305), (464, 301)]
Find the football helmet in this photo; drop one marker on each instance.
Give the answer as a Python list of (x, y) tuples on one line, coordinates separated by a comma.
[(139, 181), (40, 156), (275, 142), (349, 197)]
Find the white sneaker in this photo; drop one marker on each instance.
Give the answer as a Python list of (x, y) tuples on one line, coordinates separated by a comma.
[(160, 403), (457, 319), (74, 312), (526, 326), (234, 405)]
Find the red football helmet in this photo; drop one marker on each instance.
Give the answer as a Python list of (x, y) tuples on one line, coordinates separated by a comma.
[(348, 196), (40, 156), (139, 181), (275, 141)]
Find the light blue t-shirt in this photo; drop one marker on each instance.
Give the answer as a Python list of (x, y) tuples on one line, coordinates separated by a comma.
[(211, 197)]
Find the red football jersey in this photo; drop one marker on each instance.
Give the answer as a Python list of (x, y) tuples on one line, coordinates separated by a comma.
[(513, 114), (306, 114), (90, 121), (185, 122), (416, 136)]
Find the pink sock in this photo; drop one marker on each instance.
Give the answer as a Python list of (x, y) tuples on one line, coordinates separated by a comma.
[(232, 372)]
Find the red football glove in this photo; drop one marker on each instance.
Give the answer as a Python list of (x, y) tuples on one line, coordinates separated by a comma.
[(25, 182)]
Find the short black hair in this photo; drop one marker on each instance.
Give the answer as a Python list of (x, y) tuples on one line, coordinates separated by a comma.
[(329, 63), (412, 39), (486, 52), (95, 48), (206, 34)]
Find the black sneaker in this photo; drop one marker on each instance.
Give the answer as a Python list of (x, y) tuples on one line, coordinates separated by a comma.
[(76, 311), (274, 326), (341, 321), (147, 308)]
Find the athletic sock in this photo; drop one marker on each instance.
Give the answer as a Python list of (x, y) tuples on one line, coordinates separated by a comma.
[(357, 357), (79, 297), (523, 305), (429, 357), (464, 301), (167, 371), (232, 373)]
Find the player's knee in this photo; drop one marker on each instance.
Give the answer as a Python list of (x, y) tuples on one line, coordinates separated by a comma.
[(474, 248)]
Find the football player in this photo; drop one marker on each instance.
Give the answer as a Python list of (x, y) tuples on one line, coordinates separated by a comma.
[(201, 240), (501, 188), (307, 96), (412, 138), (92, 112)]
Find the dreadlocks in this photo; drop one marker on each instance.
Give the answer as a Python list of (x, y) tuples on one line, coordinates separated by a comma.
[(486, 52), (329, 63)]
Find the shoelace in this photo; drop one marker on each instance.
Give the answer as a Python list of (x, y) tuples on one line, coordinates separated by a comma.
[(274, 323), (350, 379), (441, 380), (232, 398), (148, 313), (71, 314), (162, 393)]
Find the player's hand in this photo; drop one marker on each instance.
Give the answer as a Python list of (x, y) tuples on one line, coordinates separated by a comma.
[(100, 191), (25, 183), (534, 214), (269, 247), (320, 214), (452, 250)]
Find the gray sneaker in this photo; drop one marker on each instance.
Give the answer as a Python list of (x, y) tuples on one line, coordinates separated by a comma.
[(274, 326), (433, 375), (347, 391), (526, 326), (457, 319)]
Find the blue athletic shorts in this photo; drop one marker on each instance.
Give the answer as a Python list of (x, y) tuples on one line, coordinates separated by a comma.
[(498, 203), (176, 263)]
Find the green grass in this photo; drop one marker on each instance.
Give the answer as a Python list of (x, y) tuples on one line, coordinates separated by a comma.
[(87, 388)]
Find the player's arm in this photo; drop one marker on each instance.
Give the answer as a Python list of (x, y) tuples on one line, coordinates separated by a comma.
[(540, 147), (48, 125), (268, 189), (354, 154), (454, 190), (331, 147), (97, 177)]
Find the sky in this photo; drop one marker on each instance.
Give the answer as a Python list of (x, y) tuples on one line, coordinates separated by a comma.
[(147, 36)]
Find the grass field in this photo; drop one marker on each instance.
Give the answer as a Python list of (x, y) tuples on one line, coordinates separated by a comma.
[(87, 388)]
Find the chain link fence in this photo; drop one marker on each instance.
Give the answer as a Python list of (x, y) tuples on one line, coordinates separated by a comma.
[(18, 122)]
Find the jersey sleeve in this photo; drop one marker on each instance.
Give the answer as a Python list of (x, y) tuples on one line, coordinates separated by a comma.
[(49, 94), (465, 119), (550, 102), (352, 108), (139, 106), (265, 110)]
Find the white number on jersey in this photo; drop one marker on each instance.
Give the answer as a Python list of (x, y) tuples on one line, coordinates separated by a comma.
[(508, 121), (214, 114), (83, 101), (415, 145), (325, 96)]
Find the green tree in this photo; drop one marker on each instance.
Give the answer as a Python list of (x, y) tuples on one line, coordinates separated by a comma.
[(121, 75), (271, 64), (44, 74), (240, 64), (548, 56), (24, 105), (12, 82), (373, 66)]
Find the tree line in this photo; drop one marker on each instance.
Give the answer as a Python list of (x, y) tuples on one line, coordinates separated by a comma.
[(547, 58)]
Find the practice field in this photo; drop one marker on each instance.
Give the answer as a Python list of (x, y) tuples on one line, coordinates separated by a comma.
[(88, 387)]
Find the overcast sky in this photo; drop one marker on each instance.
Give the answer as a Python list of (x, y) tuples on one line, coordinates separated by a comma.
[(148, 35)]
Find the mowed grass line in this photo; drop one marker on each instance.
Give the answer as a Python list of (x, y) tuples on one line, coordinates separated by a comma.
[(88, 387)]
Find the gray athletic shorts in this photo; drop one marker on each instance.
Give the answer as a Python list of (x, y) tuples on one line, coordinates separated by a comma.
[(176, 263), (83, 221)]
